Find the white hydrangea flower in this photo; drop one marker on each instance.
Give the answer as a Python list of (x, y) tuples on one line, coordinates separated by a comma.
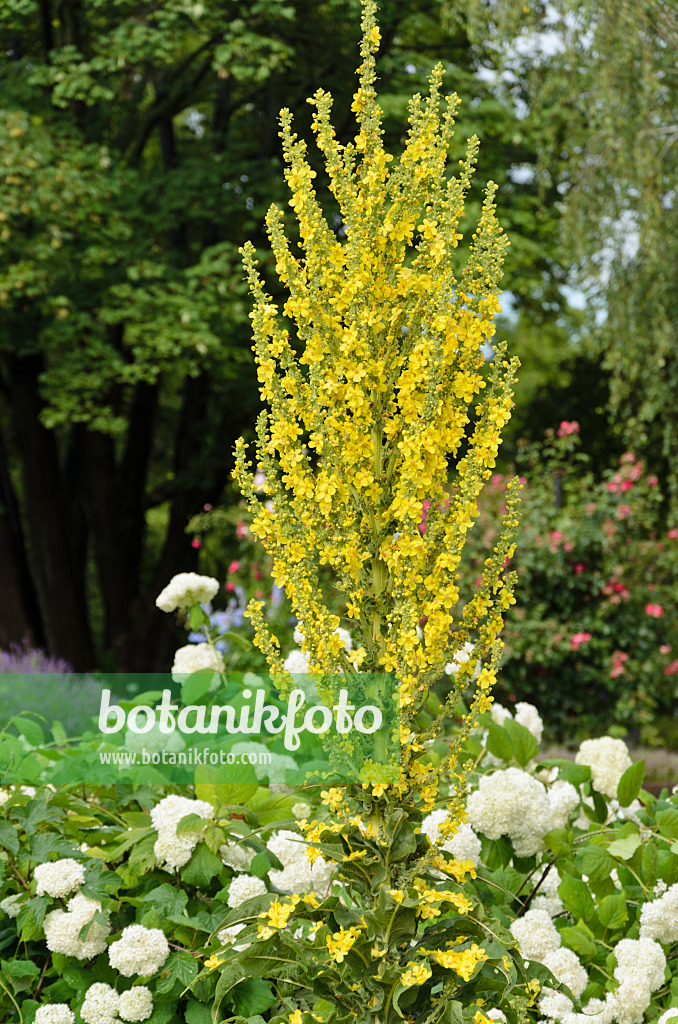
[(547, 897), (185, 589), (499, 713), (196, 658), (460, 658), (296, 662), (511, 802), (54, 1013), (669, 1016), (172, 850), (528, 716), (536, 934), (101, 1004), (11, 905), (62, 928), (641, 964), (563, 798), (556, 1006), (237, 856), (227, 937), (297, 874), (136, 1003), (608, 759), (465, 845), (567, 968), (496, 1015), (58, 878), (301, 810), (627, 813), (139, 950), (244, 887), (659, 918)]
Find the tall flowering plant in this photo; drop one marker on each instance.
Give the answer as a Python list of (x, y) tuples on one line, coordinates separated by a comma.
[(377, 392)]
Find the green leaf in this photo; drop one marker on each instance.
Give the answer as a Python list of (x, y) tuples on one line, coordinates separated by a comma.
[(649, 865), (612, 911), (191, 823), (568, 770), (30, 729), (626, 846), (667, 820), (181, 967), (525, 746), (239, 790), (19, 968), (252, 996), (630, 783), (559, 840), (30, 917), (167, 900), (260, 865), (197, 618), (197, 1013), (197, 685), (202, 867), (597, 863), (228, 979), (579, 939), (8, 837), (499, 742), (576, 898)]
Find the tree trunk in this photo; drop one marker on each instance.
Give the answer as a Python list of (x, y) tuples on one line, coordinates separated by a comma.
[(19, 614), (61, 599)]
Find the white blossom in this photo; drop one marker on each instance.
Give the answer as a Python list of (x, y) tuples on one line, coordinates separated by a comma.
[(608, 759), (536, 934), (566, 967), (297, 874), (101, 1004), (196, 658), (62, 928), (54, 1013), (186, 589), (136, 1003), (499, 713), (669, 1016), (512, 803), (563, 798), (172, 850), (296, 662), (244, 887), (528, 716), (464, 845), (227, 937), (659, 918), (301, 810), (459, 659), (640, 972), (58, 878), (139, 950), (11, 904), (237, 856)]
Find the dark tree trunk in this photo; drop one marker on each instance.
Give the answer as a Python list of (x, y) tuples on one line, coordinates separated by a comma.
[(19, 613), (61, 599)]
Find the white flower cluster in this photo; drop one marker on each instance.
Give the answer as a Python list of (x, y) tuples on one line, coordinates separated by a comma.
[(62, 928), (59, 878), (547, 897), (237, 856), (227, 937), (172, 850), (465, 845), (139, 950), (566, 967), (608, 759), (659, 919), (11, 905), (536, 934), (298, 874), (563, 798), (103, 1005), (196, 658), (244, 887), (54, 1013), (185, 589), (669, 1016), (512, 803)]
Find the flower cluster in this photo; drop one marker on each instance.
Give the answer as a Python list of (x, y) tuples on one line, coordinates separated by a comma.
[(186, 589), (139, 950), (512, 803), (608, 759), (62, 929), (298, 874), (59, 878), (174, 850)]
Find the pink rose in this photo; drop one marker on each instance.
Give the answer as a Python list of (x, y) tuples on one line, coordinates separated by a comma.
[(230, 587), (627, 457), (655, 611), (207, 507), (241, 531), (672, 534), (579, 568), (652, 480), (665, 649), (671, 668), (578, 639), (233, 567), (195, 543), (568, 427)]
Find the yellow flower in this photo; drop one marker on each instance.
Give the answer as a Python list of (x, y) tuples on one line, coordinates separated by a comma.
[(213, 962), (415, 974)]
